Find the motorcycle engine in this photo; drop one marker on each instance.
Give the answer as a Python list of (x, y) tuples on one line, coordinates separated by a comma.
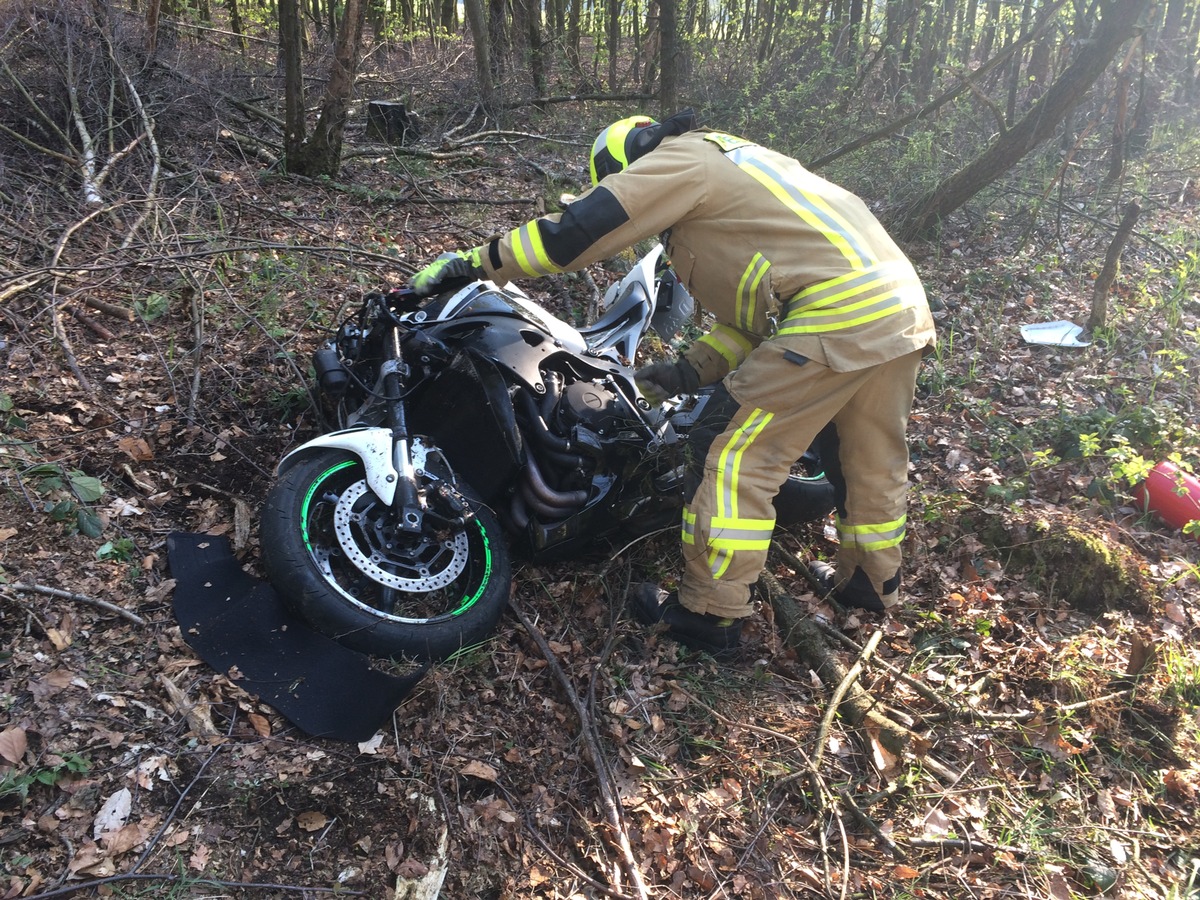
[(594, 405)]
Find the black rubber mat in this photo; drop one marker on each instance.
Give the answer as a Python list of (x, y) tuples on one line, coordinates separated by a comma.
[(239, 626)]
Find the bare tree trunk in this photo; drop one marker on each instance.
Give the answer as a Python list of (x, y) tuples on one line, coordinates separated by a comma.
[(483, 60), (614, 41), (533, 33), (1116, 153), (235, 24), (321, 154), (668, 86), (153, 12), (574, 14), (290, 26), (1111, 259), (1120, 19)]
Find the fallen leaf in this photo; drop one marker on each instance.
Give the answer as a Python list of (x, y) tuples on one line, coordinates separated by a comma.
[(135, 448), (125, 839), (905, 872), (59, 639), (260, 723), (1175, 612), (311, 820), (113, 814), (13, 744), (199, 858), (885, 761), (937, 824), (91, 860), (1108, 809), (372, 746), (479, 770)]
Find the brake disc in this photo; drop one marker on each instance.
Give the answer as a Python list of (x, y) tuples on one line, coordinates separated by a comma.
[(436, 567)]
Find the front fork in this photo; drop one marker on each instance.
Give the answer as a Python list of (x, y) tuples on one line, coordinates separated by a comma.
[(406, 503), (391, 457)]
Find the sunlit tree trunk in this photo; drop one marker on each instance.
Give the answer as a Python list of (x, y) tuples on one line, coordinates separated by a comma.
[(571, 48), (321, 154), (290, 55), (533, 34)]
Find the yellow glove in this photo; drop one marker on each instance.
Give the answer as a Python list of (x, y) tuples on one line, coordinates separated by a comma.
[(448, 271)]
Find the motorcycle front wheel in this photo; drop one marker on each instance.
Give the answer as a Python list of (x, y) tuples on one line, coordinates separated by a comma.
[(333, 551)]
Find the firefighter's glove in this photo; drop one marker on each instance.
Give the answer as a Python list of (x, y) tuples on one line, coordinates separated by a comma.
[(661, 381), (447, 272)]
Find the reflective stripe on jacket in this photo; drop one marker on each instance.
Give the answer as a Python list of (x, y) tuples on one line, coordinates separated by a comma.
[(769, 248)]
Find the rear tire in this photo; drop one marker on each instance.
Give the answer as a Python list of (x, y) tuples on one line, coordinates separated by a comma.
[(329, 548), (803, 497)]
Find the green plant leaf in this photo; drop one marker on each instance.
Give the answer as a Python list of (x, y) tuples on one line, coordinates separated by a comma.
[(89, 523), (87, 488)]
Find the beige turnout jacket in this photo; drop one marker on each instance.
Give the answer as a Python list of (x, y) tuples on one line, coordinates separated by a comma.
[(772, 250)]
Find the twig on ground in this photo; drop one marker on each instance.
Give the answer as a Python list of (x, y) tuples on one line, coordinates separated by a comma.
[(800, 632), (835, 701), (197, 714), (608, 793), (923, 689), (870, 824), (78, 598)]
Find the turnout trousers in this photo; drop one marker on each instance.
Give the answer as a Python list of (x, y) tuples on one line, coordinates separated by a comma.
[(763, 417)]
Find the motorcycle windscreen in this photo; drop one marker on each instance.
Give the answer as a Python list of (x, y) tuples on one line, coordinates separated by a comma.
[(467, 412)]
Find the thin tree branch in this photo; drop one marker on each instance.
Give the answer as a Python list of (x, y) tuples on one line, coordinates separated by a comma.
[(608, 793), (78, 598)]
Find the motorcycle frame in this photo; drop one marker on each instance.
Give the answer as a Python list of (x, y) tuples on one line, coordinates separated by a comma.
[(390, 456)]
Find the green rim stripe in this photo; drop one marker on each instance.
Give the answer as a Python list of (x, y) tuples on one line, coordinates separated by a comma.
[(467, 603), (308, 500), (487, 573)]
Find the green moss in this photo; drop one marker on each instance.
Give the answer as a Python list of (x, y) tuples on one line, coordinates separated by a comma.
[(1063, 558)]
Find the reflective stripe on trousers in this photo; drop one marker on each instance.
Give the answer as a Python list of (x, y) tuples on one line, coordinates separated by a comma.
[(783, 406)]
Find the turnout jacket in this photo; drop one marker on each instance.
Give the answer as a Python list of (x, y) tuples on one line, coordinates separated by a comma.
[(772, 250)]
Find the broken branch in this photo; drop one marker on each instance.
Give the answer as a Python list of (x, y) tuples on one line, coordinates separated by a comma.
[(78, 598)]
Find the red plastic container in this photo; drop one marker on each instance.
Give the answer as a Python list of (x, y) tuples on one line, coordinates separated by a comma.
[(1159, 494)]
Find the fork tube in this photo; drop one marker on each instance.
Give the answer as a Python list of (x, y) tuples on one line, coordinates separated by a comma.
[(406, 502)]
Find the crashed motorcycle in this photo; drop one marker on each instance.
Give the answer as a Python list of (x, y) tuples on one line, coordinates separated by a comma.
[(473, 427)]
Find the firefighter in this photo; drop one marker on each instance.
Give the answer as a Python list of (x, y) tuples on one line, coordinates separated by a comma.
[(821, 323)]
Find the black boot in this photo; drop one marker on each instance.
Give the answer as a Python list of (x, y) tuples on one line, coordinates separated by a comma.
[(857, 593), (651, 604)]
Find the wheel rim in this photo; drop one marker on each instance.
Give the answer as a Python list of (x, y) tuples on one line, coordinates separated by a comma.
[(390, 574), (360, 522)]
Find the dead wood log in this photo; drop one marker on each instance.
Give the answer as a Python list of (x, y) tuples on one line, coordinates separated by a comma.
[(109, 309), (95, 327), (801, 633)]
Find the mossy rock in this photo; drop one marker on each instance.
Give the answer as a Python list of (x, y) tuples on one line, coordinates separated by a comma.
[(1062, 557)]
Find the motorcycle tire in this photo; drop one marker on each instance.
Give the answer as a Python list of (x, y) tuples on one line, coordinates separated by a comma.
[(803, 498), (328, 551)]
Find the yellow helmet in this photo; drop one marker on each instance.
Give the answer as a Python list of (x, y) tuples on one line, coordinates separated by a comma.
[(611, 149), (627, 139)]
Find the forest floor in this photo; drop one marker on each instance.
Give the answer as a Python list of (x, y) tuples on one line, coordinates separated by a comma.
[(1046, 654)]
